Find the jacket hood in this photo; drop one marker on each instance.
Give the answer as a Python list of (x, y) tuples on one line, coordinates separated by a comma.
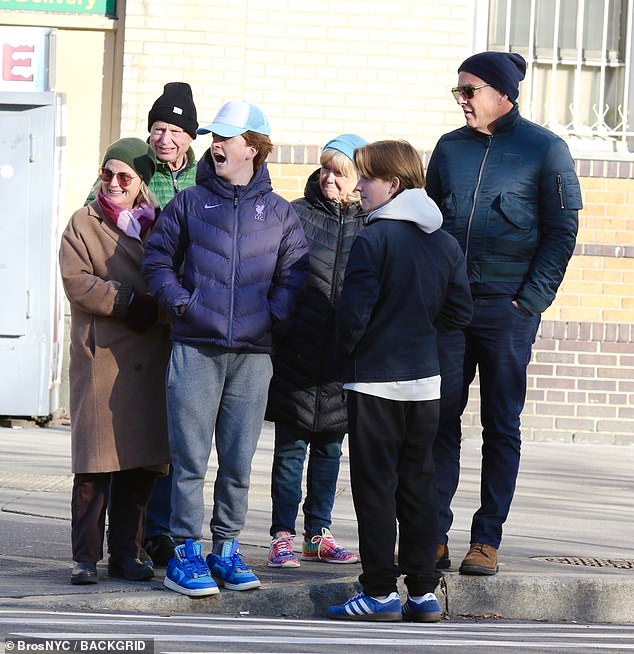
[(206, 176), (411, 205), (313, 194)]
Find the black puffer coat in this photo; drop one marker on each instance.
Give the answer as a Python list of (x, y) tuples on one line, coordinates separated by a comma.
[(303, 390)]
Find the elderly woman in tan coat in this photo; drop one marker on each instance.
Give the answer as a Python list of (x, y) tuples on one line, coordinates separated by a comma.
[(118, 356)]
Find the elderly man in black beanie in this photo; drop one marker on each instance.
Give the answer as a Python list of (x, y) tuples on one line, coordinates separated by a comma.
[(172, 123), (509, 193)]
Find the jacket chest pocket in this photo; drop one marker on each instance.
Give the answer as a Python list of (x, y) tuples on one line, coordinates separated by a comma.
[(516, 229)]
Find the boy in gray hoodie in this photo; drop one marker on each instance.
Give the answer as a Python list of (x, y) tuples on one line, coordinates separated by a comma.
[(405, 281)]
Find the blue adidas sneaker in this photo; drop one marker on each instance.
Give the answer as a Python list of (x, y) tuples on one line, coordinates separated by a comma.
[(187, 573), (426, 609), (230, 570), (364, 607)]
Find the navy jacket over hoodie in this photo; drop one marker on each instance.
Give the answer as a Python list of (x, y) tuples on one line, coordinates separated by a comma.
[(243, 256), (405, 281)]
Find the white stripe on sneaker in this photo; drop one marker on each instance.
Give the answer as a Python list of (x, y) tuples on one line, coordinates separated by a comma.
[(359, 606)]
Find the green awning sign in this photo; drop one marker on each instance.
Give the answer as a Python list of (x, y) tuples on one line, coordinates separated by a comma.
[(85, 7)]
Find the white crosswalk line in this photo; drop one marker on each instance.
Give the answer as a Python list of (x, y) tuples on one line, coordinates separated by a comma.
[(210, 632)]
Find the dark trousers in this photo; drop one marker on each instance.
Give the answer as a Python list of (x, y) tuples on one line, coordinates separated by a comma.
[(392, 475), (497, 343), (324, 454), (159, 508), (124, 494)]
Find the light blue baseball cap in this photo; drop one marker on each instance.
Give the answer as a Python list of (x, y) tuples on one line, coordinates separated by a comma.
[(346, 143), (237, 117)]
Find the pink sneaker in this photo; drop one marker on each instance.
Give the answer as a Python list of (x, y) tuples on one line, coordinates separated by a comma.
[(324, 548), (281, 554)]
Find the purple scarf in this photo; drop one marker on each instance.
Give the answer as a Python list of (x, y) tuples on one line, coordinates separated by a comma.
[(133, 222)]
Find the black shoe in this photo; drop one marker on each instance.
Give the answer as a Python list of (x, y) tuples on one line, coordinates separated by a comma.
[(130, 569), (160, 548), (83, 573)]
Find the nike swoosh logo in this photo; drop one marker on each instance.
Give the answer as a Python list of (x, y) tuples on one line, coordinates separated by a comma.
[(211, 206)]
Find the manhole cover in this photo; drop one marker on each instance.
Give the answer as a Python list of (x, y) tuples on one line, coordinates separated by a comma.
[(625, 564)]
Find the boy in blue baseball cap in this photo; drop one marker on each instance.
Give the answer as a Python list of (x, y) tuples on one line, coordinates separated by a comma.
[(228, 260)]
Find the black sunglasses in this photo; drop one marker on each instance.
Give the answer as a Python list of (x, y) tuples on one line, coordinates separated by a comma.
[(106, 175), (468, 91)]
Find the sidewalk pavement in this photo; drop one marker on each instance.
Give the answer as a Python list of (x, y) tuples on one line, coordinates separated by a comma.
[(567, 553)]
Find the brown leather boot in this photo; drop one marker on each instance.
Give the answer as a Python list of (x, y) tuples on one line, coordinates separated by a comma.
[(443, 562), (480, 560)]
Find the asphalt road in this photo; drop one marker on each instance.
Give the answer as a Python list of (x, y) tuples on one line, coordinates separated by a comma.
[(23, 631)]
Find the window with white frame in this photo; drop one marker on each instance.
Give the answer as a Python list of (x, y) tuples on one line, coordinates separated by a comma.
[(579, 64)]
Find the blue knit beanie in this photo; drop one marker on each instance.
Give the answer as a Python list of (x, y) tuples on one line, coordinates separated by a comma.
[(346, 143), (502, 70)]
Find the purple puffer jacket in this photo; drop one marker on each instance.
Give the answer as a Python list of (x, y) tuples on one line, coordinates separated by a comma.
[(244, 261)]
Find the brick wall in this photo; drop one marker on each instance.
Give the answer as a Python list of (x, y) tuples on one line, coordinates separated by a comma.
[(580, 385), (581, 379), (380, 69)]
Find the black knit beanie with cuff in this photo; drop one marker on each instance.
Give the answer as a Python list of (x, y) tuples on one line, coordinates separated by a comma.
[(176, 107)]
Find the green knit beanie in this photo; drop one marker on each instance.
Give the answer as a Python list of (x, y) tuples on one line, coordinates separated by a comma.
[(134, 152)]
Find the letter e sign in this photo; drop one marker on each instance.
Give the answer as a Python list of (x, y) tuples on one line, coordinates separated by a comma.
[(15, 66)]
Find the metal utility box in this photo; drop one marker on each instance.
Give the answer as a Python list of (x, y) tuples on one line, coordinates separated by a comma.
[(31, 311)]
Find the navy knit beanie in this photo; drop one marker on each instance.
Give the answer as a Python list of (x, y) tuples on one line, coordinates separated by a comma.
[(502, 70), (176, 107)]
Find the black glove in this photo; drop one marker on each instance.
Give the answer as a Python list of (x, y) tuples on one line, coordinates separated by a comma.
[(142, 313)]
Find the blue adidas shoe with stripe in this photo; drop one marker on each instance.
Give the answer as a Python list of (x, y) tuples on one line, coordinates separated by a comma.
[(426, 609), (364, 607)]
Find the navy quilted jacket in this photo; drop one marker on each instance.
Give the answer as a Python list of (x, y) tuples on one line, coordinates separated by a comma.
[(511, 200), (228, 261)]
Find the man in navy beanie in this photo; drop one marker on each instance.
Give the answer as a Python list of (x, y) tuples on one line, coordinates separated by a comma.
[(509, 193)]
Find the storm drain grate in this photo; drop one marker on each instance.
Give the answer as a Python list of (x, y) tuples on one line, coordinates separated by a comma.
[(624, 564)]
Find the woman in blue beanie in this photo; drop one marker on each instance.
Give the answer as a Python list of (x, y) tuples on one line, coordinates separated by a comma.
[(305, 400)]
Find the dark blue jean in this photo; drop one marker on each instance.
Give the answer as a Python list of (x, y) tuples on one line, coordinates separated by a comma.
[(497, 344), (291, 445), (157, 517)]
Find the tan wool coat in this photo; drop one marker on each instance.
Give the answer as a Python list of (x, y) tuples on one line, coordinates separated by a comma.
[(117, 377)]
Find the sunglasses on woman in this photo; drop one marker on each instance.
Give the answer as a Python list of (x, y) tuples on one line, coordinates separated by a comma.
[(106, 175), (467, 91)]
